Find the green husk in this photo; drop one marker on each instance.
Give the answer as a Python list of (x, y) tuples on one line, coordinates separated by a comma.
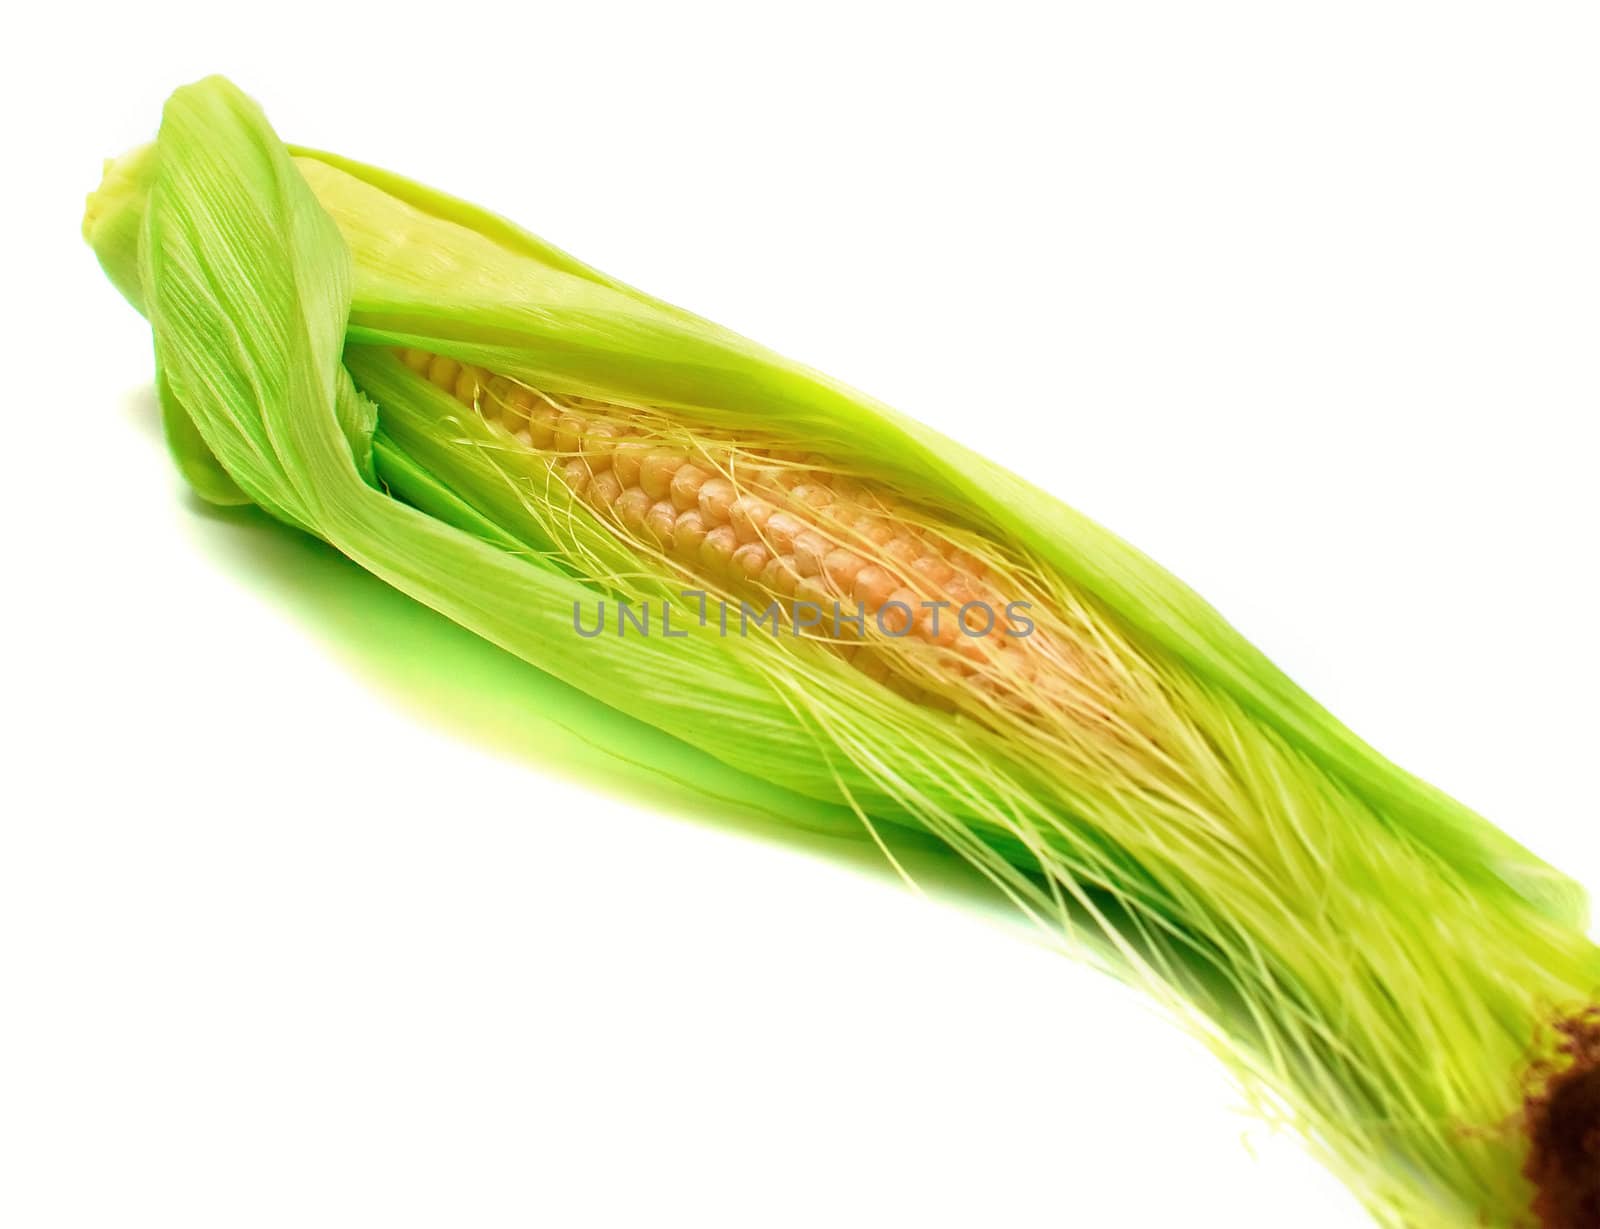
[(1377, 963)]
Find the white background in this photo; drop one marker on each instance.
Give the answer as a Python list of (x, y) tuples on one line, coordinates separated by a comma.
[(1302, 299)]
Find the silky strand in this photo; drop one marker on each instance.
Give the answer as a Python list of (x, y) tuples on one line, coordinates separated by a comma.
[(538, 451)]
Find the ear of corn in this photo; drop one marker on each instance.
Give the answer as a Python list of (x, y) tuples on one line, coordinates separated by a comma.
[(508, 435), (517, 307)]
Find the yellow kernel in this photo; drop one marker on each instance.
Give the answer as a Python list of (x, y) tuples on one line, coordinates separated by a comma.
[(781, 529), (685, 488), (598, 444), (748, 515), (813, 494), (947, 621), (717, 548), (780, 575), (966, 561), (933, 569), (469, 380), (873, 530), (570, 430), (872, 586), (626, 458), (899, 612), (716, 497), (632, 506), (514, 403), (902, 550), (810, 549), (960, 588), (655, 472), (759, 476), (688, 532), (576, 475), (542, 424), (750, 560), (785, 477), (841, 566), (443, 371), (981, 621), (660, 521), (417, 360), (603, 490)]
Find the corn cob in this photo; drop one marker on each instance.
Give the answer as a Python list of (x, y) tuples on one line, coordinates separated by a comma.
[(782, 525), (505, 433)]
